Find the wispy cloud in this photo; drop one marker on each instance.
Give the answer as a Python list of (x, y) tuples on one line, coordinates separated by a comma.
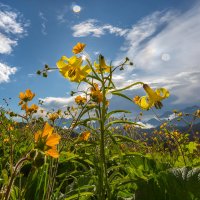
[(43, 23), (165, 49), (6, 72), (92, 27)]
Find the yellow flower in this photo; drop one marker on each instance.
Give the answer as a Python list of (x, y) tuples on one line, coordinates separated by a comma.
[(72, 68), (46, 141), (78, 48), (85, 136), (26, 96), (102, 67), (10, 128), (153, 98), (80, 100), (6, 140)]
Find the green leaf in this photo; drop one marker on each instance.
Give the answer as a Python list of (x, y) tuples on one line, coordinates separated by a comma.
[(192, 146), (129, 86), (121, 122), (122, 95), (116, 111), (82, 194)]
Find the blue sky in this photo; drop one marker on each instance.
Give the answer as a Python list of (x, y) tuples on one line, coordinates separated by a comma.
[(161, 37)]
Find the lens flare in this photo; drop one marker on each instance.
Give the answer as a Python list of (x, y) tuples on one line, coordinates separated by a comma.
[(165, 57), (76, 8)]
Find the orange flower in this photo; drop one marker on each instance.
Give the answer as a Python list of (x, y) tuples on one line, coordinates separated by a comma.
[(53, 116), (78, 48), (96, 94), (85, 136), (29, 110), (80, 100), (26, 96), (46, 141)]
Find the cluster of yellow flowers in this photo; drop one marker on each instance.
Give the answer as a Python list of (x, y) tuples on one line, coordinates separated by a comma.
[(25, 97), (72, 68)]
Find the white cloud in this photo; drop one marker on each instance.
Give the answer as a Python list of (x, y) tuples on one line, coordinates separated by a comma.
[(92, 27), (6, 72), (6, 44), (9, 22), (57, 102), (145, 125), (12, 27)]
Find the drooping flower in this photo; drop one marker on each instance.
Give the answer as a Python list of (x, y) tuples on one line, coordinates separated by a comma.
[(72, 69), (102, 67), (80, 100), (46, 141), (78, 48), (26, 96), (153, 98), (85, 136)]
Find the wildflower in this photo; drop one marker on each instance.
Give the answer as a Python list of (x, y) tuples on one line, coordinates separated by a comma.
[(102, 67), (85, 136), (6, 140), (180, 114), (78, 48), (153, 98), (46, 141), (107, 103), (26, 96), (32, 109), (53, 116), (72, 69), (29, 110), (197, 113), (127, 127), (10, 128), (96, 94), (80, 100)]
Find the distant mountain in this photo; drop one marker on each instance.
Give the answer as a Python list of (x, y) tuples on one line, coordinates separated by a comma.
[(154, 122), (170, 116)]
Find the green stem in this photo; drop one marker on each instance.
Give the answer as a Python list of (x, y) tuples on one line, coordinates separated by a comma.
[(102, 110), (7, 194)]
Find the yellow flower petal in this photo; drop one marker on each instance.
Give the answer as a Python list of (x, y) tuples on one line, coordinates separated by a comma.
[(48, 130), (52, 152), (162, 92), (145, 103), (53, 140), (102, 66), (85, 136), (37, 135)]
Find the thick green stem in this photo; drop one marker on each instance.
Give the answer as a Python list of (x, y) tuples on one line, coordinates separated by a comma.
[(102, 110)]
